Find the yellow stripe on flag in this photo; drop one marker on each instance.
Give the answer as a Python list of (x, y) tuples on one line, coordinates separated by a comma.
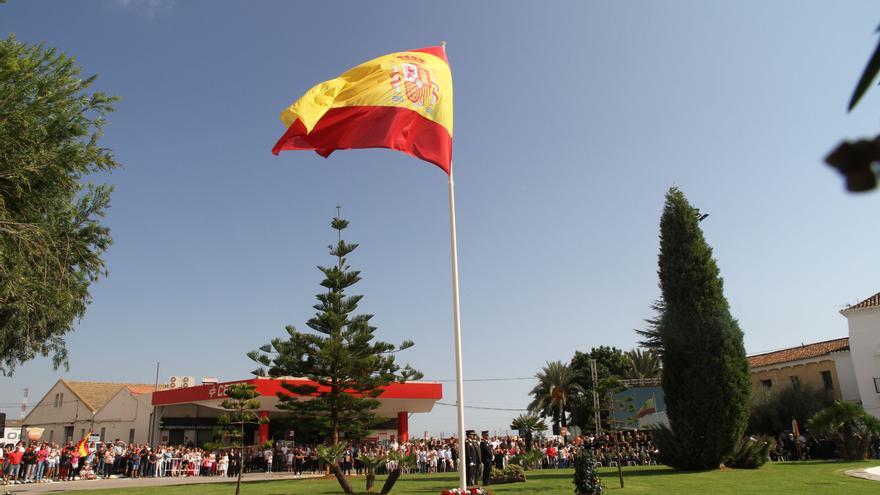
[(418, 81)]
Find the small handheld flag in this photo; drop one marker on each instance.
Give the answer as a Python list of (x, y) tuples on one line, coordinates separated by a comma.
[(401, 101)]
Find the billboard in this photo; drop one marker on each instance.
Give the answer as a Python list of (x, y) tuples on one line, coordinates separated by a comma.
[(639, 407), (11, 435)]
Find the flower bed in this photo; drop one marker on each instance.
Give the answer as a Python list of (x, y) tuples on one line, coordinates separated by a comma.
[(471, 490)]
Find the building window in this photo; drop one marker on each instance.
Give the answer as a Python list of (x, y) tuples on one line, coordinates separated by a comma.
[(827, 381), (60, 400), (877, 384), (131, 436), (103, 431), (795, 382), (51, 436), (766, 383)]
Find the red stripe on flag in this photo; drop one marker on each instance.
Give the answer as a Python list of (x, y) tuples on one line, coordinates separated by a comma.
[(437, 51), (394, 128)]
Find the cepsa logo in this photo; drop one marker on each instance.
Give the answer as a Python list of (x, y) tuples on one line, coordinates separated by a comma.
[(411, 79), (217, 391)]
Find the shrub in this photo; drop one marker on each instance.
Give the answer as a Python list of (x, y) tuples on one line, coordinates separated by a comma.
[(528, 460), (751, 453), (773, 410), (511, 474), (849, 425), (586, 479)]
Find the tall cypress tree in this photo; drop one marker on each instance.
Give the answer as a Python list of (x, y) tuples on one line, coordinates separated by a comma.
[(705, 369), (340, 355)]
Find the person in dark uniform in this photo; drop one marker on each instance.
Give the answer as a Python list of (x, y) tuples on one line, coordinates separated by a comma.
[(486, 457), (471, 457)]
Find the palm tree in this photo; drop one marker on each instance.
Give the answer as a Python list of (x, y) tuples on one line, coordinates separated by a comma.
[(371, 462), (405, 462), (331, 454), (643, 364), (849, 425), (554, 392), (528, 424)]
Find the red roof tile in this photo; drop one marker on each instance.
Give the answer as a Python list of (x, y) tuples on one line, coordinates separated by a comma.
[(144, 389), (797, 353), (871, 302)]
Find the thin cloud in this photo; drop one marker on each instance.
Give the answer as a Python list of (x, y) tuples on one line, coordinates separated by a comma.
[(148, 8)]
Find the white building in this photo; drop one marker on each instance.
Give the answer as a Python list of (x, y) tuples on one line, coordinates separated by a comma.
[(864, 338), (824, 365), (849, 367), (70, 410)]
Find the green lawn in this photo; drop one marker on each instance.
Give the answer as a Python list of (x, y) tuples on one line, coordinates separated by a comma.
[(810, 478)]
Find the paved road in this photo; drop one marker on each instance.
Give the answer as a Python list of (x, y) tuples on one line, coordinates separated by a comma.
[(123, 483), (872, 473)]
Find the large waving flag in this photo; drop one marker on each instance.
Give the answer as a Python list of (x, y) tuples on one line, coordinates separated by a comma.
[(401, 101)]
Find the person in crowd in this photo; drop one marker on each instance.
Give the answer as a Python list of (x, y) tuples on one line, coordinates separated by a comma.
[(86, 472), (28, 464), (268, 456), (109, 462), (11, 464), (52, 463), (134, 463), (73, 472), (471, 457), (223, 465), (486, 458)]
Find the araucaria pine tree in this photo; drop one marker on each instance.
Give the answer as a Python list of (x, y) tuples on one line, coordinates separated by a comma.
[(340, 356), (242, 403), (705, 369)]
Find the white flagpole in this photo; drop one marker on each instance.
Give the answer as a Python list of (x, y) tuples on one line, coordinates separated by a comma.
[(456, 314), (459, 381)]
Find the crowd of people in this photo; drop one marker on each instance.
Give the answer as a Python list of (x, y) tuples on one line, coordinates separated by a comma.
[(806, 447), (41, 462)]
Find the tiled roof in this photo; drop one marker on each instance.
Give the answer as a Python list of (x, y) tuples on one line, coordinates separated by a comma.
[(95, 395), (871, 302), (143, 389), (797, 353)]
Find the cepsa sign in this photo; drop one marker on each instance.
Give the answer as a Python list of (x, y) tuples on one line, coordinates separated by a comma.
[(217, 391), (11, 435)]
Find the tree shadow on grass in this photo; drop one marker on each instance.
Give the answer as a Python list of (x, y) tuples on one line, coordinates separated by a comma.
[(652, 472), (605, 473)]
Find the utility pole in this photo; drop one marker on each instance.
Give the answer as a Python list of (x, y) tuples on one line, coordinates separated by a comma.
[(153, 411), (24, 401)]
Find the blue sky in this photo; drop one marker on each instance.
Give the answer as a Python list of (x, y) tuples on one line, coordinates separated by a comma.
[(572, 120)]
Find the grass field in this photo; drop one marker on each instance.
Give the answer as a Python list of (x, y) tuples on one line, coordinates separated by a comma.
[(811, 478)]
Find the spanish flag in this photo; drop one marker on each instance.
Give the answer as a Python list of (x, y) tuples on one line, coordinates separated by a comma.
[(401, 101), (82, 447), (649, 407)]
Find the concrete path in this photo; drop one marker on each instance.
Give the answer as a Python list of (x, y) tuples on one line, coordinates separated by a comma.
[(123, 483), (872, 473)]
